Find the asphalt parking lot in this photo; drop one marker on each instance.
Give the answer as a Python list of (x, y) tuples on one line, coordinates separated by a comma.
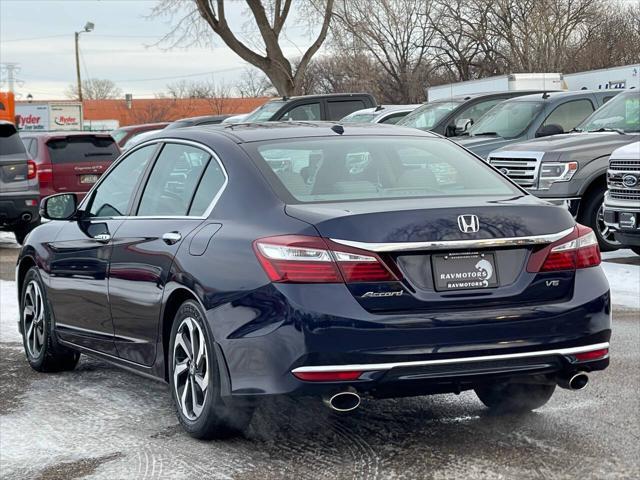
[(100, 422)]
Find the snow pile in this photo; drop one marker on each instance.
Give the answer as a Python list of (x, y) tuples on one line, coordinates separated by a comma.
[(9, 312)]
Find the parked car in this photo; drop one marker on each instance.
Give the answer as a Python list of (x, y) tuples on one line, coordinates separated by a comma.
[(194, 121), (571, 169), (124, 134), (18, 184), (332, 106), (622, 200), (453, 116), (382, 262), (70, 161), (391, 114), (532, 116)]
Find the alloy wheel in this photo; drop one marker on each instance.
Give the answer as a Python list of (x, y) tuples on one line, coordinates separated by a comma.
[(605, 232), (33, 318), (190, 368)]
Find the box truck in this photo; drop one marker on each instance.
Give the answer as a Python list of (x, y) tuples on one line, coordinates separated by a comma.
[(501, 83), (627, 76)]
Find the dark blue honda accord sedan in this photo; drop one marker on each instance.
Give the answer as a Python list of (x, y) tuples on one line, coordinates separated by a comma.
[(342, 262)]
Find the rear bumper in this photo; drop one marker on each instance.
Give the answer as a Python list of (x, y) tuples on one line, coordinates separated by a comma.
[(15, 209), (626, 236), (291, 328)]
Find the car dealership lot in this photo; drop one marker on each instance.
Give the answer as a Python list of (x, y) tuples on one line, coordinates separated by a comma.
[(101, 422)]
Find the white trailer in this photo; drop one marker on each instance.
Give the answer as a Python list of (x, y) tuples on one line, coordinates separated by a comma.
[(49, 116), (501, 83), (604, 79)]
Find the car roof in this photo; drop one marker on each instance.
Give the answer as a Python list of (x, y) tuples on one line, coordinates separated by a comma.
[(62, 133), (321, 95), (202, 118), (255, 132), (473, 96), (381, 109), (553, 96), (143, 126)]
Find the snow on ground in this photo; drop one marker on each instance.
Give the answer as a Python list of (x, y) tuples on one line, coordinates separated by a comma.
[(9, 312)]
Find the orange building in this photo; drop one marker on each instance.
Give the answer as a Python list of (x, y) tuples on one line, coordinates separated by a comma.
[(165, 109)]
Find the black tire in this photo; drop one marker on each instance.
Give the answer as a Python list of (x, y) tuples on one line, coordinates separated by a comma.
[(514, 397), (591, 216), (43, 352), (635, 250), (212, 417)]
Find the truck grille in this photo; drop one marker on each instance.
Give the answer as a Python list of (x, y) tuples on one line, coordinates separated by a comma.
[(521, 170), (625, 165), (624, 194)]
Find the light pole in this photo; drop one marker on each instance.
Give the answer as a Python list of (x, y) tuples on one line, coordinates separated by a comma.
[(88, 27)]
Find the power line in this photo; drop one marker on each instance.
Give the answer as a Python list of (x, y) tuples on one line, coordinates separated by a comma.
[(230, 69), (35, 38)]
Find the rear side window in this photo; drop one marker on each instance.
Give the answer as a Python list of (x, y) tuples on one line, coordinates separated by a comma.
[(210, 185), (82, 149), (569, 115), (173, 181), (339, 109), (10, 141), (367, 168), (307, 112)]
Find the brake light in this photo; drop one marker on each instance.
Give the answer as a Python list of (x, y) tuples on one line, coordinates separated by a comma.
[(305, 259), (578, 250), (45, 176), (32, 169)]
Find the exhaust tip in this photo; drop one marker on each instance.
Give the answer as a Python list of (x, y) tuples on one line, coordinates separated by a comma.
[(343, 401), (26, 217), (579, 381)]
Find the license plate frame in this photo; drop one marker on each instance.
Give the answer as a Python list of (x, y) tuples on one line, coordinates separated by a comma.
[(628, 220), (464, 271), (89, 179)]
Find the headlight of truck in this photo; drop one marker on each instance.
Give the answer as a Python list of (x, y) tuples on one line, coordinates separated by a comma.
[(552, 172)]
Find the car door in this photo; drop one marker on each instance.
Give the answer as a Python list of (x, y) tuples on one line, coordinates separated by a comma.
[(169, 208), (80, 254), (569, 114)]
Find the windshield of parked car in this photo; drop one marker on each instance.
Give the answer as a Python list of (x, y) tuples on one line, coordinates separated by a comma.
[(330, 169), (427, 116), (265, 112), (119, 134), (508, 119), (358, 118), (620, 113)]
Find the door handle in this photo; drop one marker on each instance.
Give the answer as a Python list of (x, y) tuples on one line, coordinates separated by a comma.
[(171, 238), (102, 237)]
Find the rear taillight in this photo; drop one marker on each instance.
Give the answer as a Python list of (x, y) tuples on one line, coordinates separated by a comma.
[(592, 355), (32, 169), (578, 250), (304, 259), (45, 175), (328, 376)]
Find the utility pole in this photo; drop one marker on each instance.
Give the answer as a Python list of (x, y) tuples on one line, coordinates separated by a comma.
[(12, 69), (88, 27)]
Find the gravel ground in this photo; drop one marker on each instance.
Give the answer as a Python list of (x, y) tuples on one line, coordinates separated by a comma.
[(100, 422)]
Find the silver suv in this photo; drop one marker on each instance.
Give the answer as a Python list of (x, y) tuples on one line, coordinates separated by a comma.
[(622, 200), (19, 187)]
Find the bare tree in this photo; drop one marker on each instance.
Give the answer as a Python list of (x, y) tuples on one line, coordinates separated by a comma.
[(269, 17), (395, 33), (95, 89), (253, 84)]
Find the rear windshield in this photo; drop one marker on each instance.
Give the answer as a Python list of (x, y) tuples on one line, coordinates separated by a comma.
[(363, 168), (10, 141), (82, 149)]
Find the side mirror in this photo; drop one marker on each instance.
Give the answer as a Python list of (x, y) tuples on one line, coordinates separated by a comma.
[(548, 130), (462, 125), (62, 206)]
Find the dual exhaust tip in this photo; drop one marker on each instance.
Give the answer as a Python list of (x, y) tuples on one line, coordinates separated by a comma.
[(349, 400)]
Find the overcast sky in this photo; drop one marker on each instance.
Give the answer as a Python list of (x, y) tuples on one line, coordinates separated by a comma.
[(38, 34)]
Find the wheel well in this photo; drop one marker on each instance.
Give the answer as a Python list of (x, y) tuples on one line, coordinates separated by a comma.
[(177, 298), (596, 184), (25, 265)]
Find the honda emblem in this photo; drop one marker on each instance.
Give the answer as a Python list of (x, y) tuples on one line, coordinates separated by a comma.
[(468, 223)]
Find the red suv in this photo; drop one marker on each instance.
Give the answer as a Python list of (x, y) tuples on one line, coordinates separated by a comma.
[(70, 161)]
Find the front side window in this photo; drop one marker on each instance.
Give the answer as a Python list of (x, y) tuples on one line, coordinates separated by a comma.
[(621, 113), (307, 112), (173, 180), (368, 168), (476, 111), (508, 119), (112, 196), (570, 114), (427, 116), (337, 110)]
